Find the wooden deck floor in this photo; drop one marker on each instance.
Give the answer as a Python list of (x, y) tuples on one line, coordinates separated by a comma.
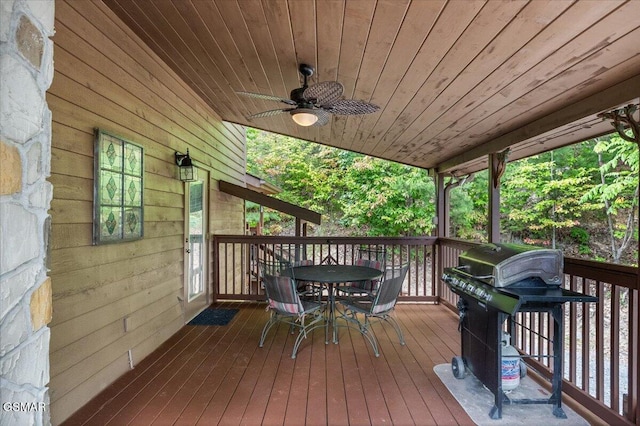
[(213, 375)]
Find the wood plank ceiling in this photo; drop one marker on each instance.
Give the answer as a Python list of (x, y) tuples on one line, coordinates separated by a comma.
[(454, 79)]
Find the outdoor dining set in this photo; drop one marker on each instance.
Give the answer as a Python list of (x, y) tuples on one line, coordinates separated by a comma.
[(308, 296)]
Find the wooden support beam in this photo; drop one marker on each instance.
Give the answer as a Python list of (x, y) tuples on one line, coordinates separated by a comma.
[(497, 163), (273, 203)]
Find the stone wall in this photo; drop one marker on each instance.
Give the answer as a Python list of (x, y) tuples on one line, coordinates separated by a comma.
[(26, 71)]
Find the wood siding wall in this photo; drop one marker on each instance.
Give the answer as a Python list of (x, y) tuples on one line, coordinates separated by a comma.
[(106, 77)]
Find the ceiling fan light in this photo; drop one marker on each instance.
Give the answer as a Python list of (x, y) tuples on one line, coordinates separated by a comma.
[(304, 117)]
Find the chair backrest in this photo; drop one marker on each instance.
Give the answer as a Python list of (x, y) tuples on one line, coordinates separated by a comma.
[(371, 263), (271, 267), (371, 285), (373, 252), (282, 294), (389, 290)]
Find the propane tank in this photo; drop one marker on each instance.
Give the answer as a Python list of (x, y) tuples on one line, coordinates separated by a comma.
[(510, 364)]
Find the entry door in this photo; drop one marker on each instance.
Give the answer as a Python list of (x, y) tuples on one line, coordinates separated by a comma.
[(196, 216)]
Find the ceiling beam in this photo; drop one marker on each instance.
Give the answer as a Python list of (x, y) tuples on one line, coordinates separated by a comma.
[(617, 95)]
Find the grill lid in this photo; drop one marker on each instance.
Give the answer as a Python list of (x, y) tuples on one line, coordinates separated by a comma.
[(501, 265)]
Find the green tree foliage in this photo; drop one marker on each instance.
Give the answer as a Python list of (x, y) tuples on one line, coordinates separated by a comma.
[(369, 196), (540, 198), (564, 196), (386, 198), (617, 192), (469, 204), (305, 171)]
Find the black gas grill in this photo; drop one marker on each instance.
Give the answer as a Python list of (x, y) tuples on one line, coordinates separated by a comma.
[(494, 282)]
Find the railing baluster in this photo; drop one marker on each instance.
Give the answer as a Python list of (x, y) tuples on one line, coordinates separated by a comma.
[(614, 366), (586, 321), (573, 334), (600, 348)]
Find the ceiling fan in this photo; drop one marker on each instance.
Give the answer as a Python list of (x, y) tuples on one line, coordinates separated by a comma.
[(313, 105)]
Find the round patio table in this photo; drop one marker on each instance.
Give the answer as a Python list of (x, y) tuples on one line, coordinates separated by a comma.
[(331, 275)]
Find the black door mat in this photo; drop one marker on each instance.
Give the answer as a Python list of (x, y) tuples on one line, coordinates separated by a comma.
[(214, 316)]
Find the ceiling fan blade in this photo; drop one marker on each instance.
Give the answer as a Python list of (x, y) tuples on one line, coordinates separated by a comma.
[(323, 117), (266, 97), (324, 93), (351, 107), (269, 113)]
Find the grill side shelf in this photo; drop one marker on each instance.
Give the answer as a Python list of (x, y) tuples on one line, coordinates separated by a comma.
[(484, 294)]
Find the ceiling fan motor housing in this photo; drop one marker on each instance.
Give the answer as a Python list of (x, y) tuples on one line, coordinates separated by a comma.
[(297, 95)]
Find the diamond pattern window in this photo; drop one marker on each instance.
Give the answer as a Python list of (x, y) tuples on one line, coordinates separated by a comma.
[(119, 185)]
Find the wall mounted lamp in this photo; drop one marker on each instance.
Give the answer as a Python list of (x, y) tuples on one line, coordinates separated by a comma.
[(188, 173)]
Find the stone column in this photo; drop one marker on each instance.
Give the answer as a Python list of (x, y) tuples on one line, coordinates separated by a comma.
[(26, 71)]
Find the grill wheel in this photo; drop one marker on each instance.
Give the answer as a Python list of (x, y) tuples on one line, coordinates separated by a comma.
[(458, 367)]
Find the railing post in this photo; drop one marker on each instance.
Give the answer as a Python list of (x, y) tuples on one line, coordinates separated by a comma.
[(215, 264), (497, 165), (442, 230)]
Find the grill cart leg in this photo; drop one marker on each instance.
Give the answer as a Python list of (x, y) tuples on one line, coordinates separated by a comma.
[(499, 396), (556, 381)]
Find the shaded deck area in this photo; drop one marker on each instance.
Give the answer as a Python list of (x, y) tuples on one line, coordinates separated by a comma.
[(218, 375)]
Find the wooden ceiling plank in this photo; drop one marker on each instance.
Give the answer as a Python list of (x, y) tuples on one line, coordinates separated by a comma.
[(355, 33), (171, 46), (240, 52), (277, 18), (426, 101), (244, 44), (587, 130), (278, 22), (191, 27), (599, 82), (187, 103), (607, 30), (385, 27), (563, 133), (554, 37), (134, 24), (527, 24), (177, 64), (234, 57), (329, 16), (563, 89), (593, 104), (417, 24), (491, 20), (255, 20), (183, 39), (304, 30), (303, 25), (452, 22)]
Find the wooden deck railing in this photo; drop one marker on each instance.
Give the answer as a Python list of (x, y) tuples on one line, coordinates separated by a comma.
[(236, 258), (600, 340)]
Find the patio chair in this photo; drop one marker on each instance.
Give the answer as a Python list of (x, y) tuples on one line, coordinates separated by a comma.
[(378, 308), (361, 288), (271, 267), (307, 289), (287, 307), (373, 252)]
